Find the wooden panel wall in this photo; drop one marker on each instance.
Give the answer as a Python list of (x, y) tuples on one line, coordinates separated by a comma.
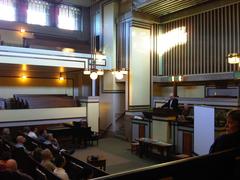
[(210, 37)]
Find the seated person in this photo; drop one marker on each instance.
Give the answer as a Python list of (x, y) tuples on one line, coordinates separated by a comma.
[(59, 171), (172, 103), (52, 141), (6, 134), (5, 156), (11, 165), (46, 160), (184, 112), (20, 143), (37, 154), (33, 133), (26, 130), (232, 137), (42, 135)]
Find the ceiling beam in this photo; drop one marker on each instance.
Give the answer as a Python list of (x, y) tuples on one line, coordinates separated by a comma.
[(141, 3)]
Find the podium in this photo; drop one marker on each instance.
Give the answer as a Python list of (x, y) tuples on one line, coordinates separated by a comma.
[(161, 124), (161, 112)]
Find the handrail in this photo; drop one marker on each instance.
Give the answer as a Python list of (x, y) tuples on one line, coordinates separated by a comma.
[(121, 116), (219, 165)]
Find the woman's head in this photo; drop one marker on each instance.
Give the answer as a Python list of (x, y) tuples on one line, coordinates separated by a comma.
[(233, 121), (47, 154)]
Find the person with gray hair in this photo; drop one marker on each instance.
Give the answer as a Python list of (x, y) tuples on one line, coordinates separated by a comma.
[(232, 137), (6, 134), (20, 142)]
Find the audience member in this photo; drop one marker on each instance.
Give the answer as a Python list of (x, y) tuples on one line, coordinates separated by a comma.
[(52, 141), (59, 171), (42, 135), (184, 113), (11, 175), (6, 135), (20, 143), (3, 159), (11, 165), (37, 154), (47, 157), (26, 130), (33, 133), (172, 103), (232, 137)]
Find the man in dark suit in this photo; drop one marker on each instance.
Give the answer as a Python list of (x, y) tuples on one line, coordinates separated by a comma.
[(172, 103)]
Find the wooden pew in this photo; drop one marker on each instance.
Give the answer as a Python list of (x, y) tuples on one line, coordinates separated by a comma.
[(96, 172), (44, 100), (71, 161), (27, 164)]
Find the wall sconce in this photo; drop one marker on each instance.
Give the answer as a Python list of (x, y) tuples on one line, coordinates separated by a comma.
[(22, 30), (180, 78), (175, 78), (233, 58), (61, 78), (24, 76)]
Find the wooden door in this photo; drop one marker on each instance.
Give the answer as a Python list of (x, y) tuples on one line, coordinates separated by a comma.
[(141, 131), (187, 143)]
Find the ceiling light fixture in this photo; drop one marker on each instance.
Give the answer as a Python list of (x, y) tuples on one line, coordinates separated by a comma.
[(68, 50), (92, 70), (100, 72), (86, 72), (120, 73), (93, 75)]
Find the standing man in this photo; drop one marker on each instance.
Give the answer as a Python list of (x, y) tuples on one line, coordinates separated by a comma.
[(172, 103)]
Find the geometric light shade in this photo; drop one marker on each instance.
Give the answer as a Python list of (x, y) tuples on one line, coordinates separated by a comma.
[(86, 72), (93, 75), (100, 72)]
